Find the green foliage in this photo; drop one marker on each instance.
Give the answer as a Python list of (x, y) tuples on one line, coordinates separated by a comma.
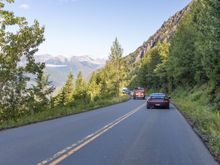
[(103, 84), (207, 19), (106, 82), (192, 58), (94, 89), (81, 93), (190, 69), (193, 104), (68, 89), (116, 66), (41, 92), (152, 72), (80, 83), (65, 96), (74, 97), (61, 111), (182, 51), (21, 43), (194, 51), (59, 99), (116, 53)]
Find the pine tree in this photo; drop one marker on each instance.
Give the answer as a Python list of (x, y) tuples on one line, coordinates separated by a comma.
[(59, 99), (80, 83), (94, 87), (161, 68), (65, 95), (68, 89), (42, 91), (207, 22), (182, 54), (81, 93), (116, 65)]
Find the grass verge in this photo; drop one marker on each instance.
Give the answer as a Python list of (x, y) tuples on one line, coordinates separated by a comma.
[(61, 112), (195, 106)]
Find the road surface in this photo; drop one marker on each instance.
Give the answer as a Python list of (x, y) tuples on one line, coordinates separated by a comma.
[(122, 134)]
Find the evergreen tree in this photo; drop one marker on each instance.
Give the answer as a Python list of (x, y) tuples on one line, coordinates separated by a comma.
[(146, 76), (81, 93), (68, 89), (65, 96), (207, 22), (93, 87), (182, 54), (161, 68), (194, 51), (116, 65), (80, 83), (42, 91), (192, 57), (104, 82), (59, 99)]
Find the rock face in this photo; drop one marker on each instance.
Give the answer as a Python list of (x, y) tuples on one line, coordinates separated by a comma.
[(164, 33)]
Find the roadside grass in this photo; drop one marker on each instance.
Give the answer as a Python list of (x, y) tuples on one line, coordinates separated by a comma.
[(195, 106), (58, 112)]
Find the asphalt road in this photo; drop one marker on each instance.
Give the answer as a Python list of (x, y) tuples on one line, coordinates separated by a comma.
[(122, 134)]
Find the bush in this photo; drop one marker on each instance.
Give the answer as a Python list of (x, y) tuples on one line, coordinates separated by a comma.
[(194, 105)]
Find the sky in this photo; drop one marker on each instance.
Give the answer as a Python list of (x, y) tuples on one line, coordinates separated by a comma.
[(89, 27)]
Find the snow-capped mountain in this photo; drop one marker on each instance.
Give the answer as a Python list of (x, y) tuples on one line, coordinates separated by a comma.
[(58, 67)]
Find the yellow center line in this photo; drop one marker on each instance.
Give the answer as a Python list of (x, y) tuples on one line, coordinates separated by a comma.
[(61, 155)]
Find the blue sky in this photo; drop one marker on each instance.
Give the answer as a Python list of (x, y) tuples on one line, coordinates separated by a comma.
[(88, 27)]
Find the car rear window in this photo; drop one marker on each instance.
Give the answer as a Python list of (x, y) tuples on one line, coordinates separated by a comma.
[(157, 97), (139, 90)]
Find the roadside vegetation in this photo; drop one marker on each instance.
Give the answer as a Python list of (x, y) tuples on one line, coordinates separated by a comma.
[(58, 112), (26, 94), (188, 68), (202, 115)]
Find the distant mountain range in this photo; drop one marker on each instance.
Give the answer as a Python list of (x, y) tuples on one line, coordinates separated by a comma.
[(58, 67), (166, 32)]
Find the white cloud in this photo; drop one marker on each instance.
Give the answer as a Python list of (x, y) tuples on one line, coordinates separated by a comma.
[(24, 6)]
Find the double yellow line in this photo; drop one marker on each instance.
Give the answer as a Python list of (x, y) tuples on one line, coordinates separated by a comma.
[(70, 150)]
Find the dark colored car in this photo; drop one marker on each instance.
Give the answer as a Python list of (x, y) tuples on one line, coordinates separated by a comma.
[(139, 93), (158, 100)]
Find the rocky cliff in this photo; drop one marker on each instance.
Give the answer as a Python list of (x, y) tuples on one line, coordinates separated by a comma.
[(164, 33)]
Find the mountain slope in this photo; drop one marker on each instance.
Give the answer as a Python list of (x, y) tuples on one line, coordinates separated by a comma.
[(164, 33), (59, 67)]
